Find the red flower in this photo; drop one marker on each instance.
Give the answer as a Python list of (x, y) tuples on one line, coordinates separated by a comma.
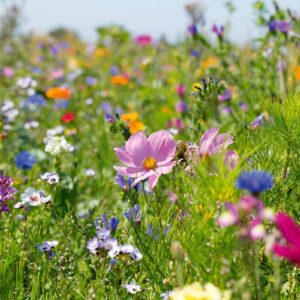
[(68, 117), (291, 233)]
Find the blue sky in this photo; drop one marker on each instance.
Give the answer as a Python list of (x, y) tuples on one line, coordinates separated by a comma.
[(139, 16)]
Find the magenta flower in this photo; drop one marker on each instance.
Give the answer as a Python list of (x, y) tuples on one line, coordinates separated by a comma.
[(291, 233), (180, 90), (143, 40), (212, 143), (147, 158)]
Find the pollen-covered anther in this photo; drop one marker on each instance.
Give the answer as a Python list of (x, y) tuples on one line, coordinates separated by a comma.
[(149, 163)]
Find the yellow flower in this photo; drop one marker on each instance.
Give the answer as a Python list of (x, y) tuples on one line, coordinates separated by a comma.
[(197, 292), (165, 110), (210, 62), (101, 52), (197, 86), (17, 181), (71, 131)]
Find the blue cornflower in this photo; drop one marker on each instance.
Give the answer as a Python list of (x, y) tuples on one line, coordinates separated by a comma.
[(60, 104), (24, 160), (255, 181), (36, 99), (195, 53)]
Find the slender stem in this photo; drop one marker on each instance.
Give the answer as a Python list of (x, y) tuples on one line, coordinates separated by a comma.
[(285, 164), (277, 279), (256, 270)]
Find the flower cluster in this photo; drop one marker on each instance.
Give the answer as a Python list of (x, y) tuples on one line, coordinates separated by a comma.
[(104, 242), (249, 213), (33, 197), (6, 191)]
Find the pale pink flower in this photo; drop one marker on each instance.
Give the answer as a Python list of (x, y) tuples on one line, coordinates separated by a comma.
[(212, 143), (147, 158)]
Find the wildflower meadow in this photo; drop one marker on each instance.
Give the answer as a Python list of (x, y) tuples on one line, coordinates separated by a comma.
[(138, 168)]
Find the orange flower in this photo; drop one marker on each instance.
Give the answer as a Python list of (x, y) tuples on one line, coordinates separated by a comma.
[(297, 73), (132, 121), (210, 62), (130, 117), (119, 80), (135, 126), (58, 93)]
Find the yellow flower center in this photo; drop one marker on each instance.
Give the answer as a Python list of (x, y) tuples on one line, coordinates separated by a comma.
[(149, 163)]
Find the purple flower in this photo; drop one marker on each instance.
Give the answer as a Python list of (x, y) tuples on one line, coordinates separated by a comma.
[(192, 29), (225, 96), (279, 25), (114, 70), (54, 50), (111, 224), (125, 184), (47, 247), (106, 107), (195, 53), (218, 30), (258, 121), (227, 110), (24, 160), (109, 118), (134, 214), (93, 245), (181, 107), (91, 80), (281, 65), (243, 106), (6, 191)]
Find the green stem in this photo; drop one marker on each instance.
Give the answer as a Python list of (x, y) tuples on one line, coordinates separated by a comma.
[(285, 164), (256, 273), (277, 279)]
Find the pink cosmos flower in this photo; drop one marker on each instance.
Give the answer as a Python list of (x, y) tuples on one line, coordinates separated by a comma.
[(147, 158), (143, 40), (212, 143), (291, 233)]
